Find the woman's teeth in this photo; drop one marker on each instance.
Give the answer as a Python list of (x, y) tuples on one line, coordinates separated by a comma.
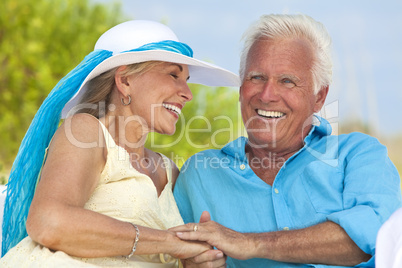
[(172, 108)]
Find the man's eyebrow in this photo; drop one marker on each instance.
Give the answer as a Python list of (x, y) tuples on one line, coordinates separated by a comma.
[(290, 76), (254, 73)]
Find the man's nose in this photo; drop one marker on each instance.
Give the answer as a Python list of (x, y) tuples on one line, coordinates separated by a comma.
[(270, 92)]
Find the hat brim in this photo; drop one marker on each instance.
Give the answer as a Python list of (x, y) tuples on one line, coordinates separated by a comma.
[(200, 72)]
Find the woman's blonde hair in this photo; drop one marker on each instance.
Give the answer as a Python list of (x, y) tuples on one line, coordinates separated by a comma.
[(98, 95)]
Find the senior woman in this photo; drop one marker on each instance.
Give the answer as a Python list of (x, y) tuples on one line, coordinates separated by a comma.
[(104, 199)]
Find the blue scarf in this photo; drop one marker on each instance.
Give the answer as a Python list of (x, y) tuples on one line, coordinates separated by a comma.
[(28, 163)]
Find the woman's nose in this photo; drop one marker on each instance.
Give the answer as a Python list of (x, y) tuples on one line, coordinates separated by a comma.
[(186, 93)]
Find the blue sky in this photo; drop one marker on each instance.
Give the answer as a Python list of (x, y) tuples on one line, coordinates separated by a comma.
[(366, 35)]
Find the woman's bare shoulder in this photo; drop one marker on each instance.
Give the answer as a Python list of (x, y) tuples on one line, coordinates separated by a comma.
[(81, 130)]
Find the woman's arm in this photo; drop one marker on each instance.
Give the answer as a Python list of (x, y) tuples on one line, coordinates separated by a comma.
[(57, 218)]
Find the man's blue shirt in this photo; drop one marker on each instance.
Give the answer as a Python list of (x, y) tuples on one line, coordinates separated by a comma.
[(347, 179)]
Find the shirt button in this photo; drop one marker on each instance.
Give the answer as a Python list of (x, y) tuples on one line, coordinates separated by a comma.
[(286, 228), (242, 166), (276, 191)]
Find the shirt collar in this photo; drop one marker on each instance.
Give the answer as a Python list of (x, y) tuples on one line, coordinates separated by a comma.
[(236, 149), (321, 127)]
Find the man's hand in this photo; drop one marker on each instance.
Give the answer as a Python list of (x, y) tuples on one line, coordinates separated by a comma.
[(230, 242), (210, 258)]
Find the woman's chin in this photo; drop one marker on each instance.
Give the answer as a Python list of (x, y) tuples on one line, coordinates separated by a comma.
[(168, 132)]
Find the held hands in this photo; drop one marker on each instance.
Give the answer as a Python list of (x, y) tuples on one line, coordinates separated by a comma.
[(181, 249), (210, 257), (232, 243)]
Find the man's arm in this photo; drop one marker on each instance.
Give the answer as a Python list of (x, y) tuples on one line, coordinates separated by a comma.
[(325, 243)]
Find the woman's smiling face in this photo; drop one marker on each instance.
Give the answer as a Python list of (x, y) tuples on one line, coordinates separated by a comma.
[(159, 95)]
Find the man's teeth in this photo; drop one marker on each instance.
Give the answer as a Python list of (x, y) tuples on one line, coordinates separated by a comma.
[(172, 108), (271, 114)]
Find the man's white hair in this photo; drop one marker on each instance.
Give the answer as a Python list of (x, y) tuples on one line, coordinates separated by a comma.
[(293, 26)]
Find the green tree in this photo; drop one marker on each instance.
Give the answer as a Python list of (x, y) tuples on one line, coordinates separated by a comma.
[(40, 42)]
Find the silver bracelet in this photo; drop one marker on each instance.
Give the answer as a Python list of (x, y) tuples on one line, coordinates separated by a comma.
[(137, 238)]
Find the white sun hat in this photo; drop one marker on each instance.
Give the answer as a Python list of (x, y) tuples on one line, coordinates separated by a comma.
[(140, 41)]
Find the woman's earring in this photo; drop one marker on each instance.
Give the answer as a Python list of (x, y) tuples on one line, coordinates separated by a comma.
[(129, 100)]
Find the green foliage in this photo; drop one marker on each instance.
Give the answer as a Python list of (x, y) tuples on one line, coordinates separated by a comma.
[(3, 179), (40, 42), (209, 121)]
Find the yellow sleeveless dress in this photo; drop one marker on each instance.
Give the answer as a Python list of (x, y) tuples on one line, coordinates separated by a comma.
[(124, 194)]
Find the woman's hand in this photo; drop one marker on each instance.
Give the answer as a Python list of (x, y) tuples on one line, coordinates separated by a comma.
[(208, 259), (230, 242), (182, 249)]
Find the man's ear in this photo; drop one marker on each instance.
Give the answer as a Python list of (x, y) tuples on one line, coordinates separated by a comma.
[(320, 98), (121, 81)]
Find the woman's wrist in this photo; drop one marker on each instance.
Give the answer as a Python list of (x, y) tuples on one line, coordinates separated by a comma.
[(153, 241), (135, 243)]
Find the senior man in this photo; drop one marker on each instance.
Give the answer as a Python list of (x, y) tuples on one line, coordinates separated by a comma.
[(291, 194)]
